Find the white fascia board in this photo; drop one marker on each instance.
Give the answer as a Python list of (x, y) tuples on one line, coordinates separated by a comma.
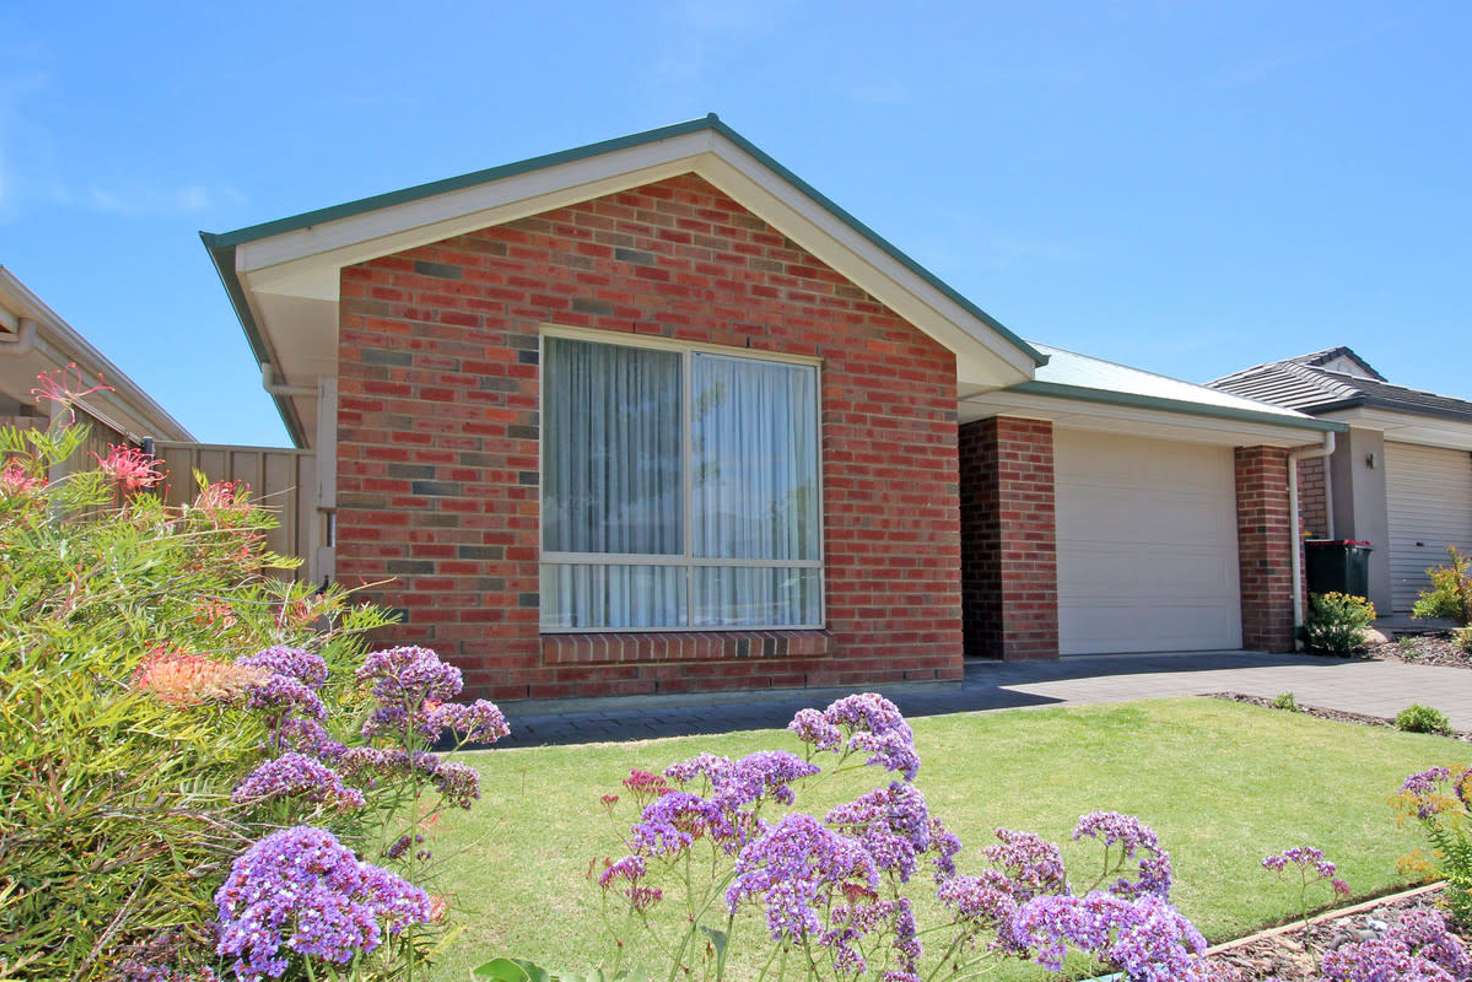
[(1129, 420), (125, 406), (306, 262), (1427, 431)]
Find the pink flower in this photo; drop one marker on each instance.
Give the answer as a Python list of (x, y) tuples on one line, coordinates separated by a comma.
[(65, 387), (15, 481), (130, 468)]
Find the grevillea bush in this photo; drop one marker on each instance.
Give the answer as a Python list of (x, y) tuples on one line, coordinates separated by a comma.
[(718, 856), (202, 774)]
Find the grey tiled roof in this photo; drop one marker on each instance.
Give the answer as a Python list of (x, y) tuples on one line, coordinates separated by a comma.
[(1299, 383)]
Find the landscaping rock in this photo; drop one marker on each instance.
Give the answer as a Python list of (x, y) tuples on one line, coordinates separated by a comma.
[(1422, 649), (1294, 955)]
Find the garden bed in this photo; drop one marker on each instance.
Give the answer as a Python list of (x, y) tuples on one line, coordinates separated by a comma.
[(1294, 952), (1321, 712), (1422, 649)]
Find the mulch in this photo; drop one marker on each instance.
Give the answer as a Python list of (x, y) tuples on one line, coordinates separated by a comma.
[(1322, 712), (1422, 649), (1293, 954)]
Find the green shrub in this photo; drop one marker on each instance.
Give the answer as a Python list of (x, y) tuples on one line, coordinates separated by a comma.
[(117, 824), (1286, 702), (1437, 799), (1423, 719), (1409, 646), (1450, 596), (1337, 623), (1462, 638)]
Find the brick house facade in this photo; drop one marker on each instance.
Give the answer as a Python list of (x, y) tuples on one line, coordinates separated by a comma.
[(423, 316), (437, 434)]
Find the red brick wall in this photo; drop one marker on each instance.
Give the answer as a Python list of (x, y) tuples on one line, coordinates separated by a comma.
[(1009, 561), (1265, 546), (1313, 504), (438, 440)]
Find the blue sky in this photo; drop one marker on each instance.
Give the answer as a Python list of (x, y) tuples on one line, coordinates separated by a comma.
[(1185, 187)]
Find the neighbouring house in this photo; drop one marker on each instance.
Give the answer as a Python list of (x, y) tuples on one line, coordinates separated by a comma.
[(655, 415), (1400, 478), (35, 340)]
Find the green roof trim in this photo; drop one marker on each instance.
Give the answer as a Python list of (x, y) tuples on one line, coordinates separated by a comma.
[(223, 256), (222, 245), (1057, 390)]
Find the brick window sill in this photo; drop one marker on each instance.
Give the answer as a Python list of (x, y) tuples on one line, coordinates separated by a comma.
[(612, 648)]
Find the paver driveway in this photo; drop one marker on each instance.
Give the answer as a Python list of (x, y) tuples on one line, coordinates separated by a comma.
[(1371, 687)]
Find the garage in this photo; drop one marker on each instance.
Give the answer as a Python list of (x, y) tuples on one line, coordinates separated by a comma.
[(1428, 497), (1147, 545)]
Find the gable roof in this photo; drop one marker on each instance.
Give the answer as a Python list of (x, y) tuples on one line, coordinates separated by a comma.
[(55, 344), (1323, 359), (1299, 383), (277, 269)]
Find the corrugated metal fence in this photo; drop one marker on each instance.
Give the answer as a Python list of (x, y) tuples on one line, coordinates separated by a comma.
[(284, 481)]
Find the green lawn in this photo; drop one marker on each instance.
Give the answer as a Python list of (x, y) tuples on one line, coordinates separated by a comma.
[(1224, 784)]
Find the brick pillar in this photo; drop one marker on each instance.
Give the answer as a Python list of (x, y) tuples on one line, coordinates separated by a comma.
[(1265, 548), (1009, 561)]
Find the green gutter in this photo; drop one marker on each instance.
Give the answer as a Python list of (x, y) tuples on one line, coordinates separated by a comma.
[(221, 246), (223, 256), (1057, 390)]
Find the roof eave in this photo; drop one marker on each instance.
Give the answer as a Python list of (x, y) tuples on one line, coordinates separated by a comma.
[(219, 243), (1058, 390), (222, 254)]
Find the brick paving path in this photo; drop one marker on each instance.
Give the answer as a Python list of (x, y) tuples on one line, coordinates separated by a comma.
[(1370, 687)]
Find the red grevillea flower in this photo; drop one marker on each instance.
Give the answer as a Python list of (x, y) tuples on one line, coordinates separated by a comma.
[(14, 480), (130, 468), (65, 386), (182, 679)]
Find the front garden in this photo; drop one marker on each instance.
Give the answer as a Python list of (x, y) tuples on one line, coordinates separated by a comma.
[(209, 772)]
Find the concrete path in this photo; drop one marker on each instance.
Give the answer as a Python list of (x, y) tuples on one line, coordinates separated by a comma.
[(1370, 687)]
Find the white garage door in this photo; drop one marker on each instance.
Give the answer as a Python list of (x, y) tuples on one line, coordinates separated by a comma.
[(1147, 545), (1428, 494)]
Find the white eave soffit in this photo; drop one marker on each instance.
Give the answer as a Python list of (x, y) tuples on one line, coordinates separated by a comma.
[(305, 262)]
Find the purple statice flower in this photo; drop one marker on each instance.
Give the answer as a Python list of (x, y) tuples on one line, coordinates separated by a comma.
[(399, 846), (1311, 865), (410, 675), (285, 696), (892, 823), (1427, 781), (310, 737), (759, 775), (297, 663), (301, 892), (1144, 937), (796, 867), (872, 724), (1032, 865), (672, 822), (479, 722), (1135, 839), (295, 775), (630, 868), (985, 900), (812, 727), (457, 783), (944, 846), (849, 939), (1421, 948), (703, 766)]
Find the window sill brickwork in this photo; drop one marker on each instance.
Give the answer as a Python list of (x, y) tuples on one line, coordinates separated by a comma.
[(616, 648)]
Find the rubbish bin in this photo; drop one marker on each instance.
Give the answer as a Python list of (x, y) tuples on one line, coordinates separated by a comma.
[(1338, 566)]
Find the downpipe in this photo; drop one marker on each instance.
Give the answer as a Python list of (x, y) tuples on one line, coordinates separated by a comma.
[(1294, 525)]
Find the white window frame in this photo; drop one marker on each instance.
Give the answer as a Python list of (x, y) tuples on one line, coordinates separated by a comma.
[(690, 563)]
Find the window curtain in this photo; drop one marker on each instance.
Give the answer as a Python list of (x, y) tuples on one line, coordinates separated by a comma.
[(612, 483), (754, 490)]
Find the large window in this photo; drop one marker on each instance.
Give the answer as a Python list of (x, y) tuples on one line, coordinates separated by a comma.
[(679, 489)]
